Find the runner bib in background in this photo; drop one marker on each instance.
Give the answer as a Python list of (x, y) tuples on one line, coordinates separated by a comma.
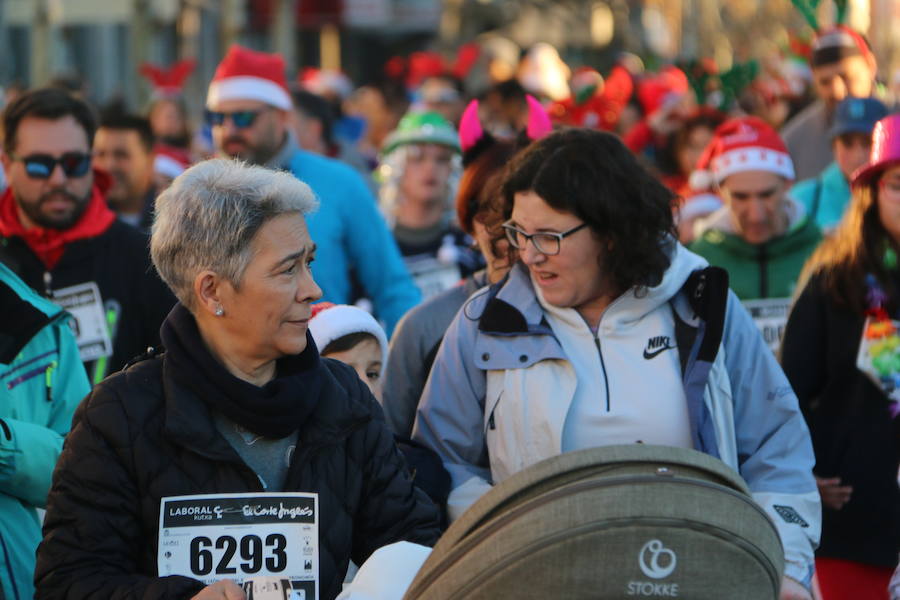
[(84, 303), (240, 536), (770, 316)]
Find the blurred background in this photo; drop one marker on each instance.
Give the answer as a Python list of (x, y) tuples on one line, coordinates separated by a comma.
[(99, 44)]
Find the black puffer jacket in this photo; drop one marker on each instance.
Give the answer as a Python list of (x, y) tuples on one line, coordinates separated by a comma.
[(140, 436)]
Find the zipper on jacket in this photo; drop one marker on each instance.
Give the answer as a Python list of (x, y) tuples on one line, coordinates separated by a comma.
[(763, 260), (31, 360), (602, 366), (42, 370), (48, 280), (48, 380), (491, 424)]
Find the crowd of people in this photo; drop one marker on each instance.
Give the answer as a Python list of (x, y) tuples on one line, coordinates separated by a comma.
[(396, 296)]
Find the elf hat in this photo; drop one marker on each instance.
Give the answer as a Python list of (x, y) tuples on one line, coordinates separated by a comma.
[(331, 322), (739, 145), (246, 74), (422, 128)]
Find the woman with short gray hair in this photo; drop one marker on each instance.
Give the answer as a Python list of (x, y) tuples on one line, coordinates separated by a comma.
[(240, 402), (208, 216)]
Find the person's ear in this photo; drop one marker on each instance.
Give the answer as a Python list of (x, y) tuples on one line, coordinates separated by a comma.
[(208, 293)]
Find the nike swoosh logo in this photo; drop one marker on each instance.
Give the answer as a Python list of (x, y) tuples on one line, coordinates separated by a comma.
[(657, 352)]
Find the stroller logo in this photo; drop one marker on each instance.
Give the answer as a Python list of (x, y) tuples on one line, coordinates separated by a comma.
[(656, 561)]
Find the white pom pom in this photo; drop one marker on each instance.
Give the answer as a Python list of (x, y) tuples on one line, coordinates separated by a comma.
[(701, 180)]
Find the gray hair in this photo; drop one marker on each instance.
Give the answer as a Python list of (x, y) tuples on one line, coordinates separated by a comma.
[(210, 214)]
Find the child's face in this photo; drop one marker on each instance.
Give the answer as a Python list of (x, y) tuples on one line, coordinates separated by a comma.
[(365, 357)]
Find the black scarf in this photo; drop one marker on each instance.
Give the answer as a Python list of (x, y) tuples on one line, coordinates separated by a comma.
[(274, 410)]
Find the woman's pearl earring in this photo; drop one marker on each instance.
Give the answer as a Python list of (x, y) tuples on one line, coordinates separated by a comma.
[(219, 311)]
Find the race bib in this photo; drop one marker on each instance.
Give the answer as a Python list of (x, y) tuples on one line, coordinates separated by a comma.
[(879, 357), (84, 303), (770, 316), (241, 537), (433, 277)]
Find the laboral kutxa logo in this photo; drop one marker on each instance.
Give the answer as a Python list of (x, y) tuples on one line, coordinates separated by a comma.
[(656, 562)]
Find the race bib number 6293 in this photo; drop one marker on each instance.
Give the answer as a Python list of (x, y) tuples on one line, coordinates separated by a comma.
[(240, 536)]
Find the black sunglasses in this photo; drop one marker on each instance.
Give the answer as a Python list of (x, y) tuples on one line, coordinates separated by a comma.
[(240, 118), (41, 166)]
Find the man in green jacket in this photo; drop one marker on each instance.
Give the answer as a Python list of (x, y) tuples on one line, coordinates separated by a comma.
[(42, 380), (760, 236)]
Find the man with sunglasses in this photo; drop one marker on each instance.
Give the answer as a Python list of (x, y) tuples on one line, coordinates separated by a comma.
[(248, 108), (58, 234)]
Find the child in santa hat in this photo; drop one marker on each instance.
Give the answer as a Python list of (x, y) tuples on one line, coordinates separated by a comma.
[(353, 336)]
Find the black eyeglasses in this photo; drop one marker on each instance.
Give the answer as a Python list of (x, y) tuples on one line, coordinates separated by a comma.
[(240, 118), (41, 166), (545, 242)]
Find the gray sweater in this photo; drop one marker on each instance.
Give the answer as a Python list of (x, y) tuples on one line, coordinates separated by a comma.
[(413, 347)]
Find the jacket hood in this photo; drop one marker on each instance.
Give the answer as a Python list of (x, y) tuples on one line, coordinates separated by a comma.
[(800, 234), (633, 306), (515, 309), (720, 220)]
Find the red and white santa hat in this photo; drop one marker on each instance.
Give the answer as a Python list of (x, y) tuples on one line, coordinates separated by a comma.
[(246, 74), (170, 160), (741, 144)]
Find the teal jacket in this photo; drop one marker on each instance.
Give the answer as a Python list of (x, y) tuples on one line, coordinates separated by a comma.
[(824, 197), (42, 380), (352, 236)]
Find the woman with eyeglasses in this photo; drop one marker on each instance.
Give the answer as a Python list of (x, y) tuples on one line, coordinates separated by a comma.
[(840, 353), (607, 331)]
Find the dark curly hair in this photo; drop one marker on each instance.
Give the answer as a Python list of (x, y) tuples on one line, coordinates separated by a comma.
[(592, 175)]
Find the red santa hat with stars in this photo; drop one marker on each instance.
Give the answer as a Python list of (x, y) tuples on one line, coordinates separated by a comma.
[(741, 144), (246, 74)]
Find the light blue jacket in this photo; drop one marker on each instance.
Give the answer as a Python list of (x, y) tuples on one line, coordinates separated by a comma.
[(351, 235), (40, 386), (740, 404), (825, 197)]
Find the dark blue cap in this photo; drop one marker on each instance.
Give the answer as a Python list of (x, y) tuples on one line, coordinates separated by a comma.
[(857, 115)]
